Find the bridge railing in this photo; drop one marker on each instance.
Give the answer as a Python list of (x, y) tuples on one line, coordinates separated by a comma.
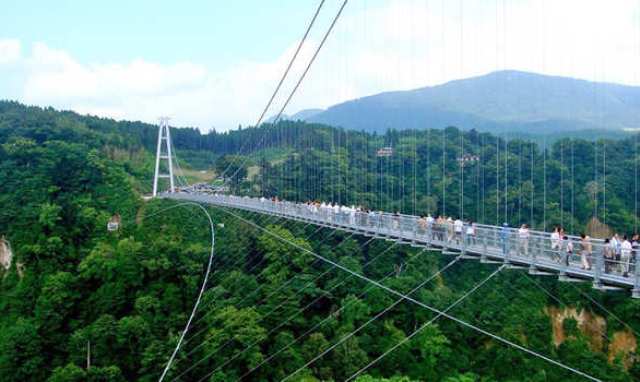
[(537, 250)]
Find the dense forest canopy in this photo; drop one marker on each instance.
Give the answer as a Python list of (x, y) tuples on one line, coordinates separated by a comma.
[(80, 303)]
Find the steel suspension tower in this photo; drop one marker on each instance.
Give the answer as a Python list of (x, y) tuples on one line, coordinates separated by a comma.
[(164, 139)]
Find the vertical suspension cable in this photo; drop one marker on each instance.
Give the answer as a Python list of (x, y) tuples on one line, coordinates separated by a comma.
[(443, 69), (544, 182), (428, 133), (461, 129), (444, 175), (332, 159), (482, 170), (461, 174), (415, 128), (392, 180), (379, 185), (532, 204), (477, 182), (497, 180), (520, 183), (573, 186), (415, 171), (604, 181), (635, 199), (595, 179), (428, 165), (506, 177), (561, 183)]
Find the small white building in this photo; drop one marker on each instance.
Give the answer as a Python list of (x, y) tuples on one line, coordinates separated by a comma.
[(468, 159), (385, 151)]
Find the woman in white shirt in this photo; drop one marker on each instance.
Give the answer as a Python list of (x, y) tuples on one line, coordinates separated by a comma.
[(523, 239), (555, 243), (625, 255)]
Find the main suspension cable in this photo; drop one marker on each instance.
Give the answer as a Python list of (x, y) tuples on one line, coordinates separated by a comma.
[(202, 288), (284, 75), (303, 75)]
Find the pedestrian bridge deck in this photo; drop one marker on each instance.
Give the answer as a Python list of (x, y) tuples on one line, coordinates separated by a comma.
[(489, 244)]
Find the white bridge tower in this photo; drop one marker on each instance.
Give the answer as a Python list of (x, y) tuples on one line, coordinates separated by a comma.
[(164, 140)]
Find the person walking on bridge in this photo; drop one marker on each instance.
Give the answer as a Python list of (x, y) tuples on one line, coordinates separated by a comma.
[(439, 230), (396, 221), (471, 233), (352, 215), (504, 238), (608, 254), (458, 226), (430, 221), (449, 223), (523, 240), (616, 244), (555, 243), (586, 251), (422, 225), (569, 250), (625, 256)]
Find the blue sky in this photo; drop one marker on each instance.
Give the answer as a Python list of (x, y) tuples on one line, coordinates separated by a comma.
[(214, 63), (212, 32)]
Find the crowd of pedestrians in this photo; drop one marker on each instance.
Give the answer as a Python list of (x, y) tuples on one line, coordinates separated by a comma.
[(619, 253)]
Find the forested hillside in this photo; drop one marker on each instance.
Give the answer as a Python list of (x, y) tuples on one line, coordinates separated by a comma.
[(478, 176), (79, 303)]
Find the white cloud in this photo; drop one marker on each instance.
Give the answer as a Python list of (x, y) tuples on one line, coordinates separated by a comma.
[(142, 90), (9, 50), (375, 48)]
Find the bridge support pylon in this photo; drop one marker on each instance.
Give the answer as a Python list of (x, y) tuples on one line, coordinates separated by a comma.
[(163, 153)]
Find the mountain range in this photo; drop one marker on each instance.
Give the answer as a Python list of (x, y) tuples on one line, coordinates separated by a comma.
[(503, 101)]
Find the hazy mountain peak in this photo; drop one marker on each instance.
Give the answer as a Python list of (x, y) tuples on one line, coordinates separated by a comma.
[(505, 100)]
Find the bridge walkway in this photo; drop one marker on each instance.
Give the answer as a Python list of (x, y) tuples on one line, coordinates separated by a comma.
[(538, 254)]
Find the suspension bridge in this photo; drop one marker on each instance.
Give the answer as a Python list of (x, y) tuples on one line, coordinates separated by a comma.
[(537, 253), (571, 259)]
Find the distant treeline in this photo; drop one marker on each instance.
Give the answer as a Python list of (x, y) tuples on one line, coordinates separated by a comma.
[(566, 182)]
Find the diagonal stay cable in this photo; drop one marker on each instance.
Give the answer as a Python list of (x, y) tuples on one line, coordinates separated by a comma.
[(302, 76), (285, 74), (282, 285), (606, 310), (215, 272), (299, 311), (180, 175), (333, 314), (603, 334), (208, 274), (421, 328), (264, 299), (222, 267), (256, 290), (247, 296), (430, 308), (371, 320)]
